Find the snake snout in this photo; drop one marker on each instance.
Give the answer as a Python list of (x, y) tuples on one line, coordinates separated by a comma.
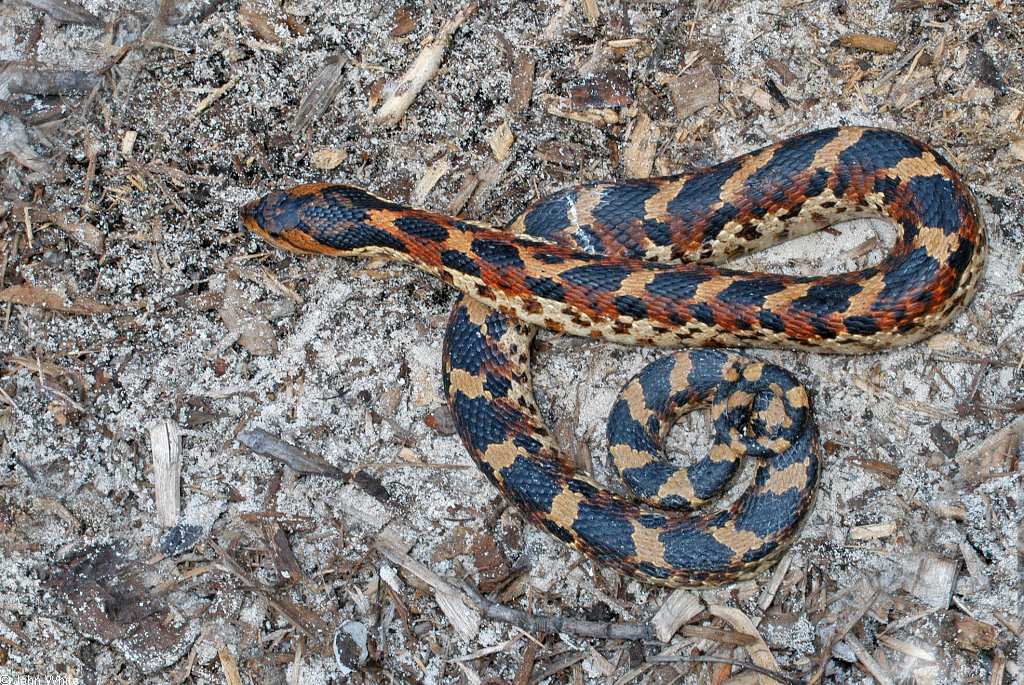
[(251, 215)]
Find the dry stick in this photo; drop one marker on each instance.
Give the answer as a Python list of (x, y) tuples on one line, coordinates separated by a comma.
[(546, 623), (775, 675)]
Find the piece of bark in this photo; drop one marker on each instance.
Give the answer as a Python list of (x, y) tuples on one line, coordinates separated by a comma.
[(638, 155), (693, 92), (298, 459), (522, 81), (972, 634), (863, 41), (321, 92), (608, 88), (33, 79)]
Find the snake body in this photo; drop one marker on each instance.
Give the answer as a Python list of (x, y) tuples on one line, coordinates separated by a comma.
[(636, 262)]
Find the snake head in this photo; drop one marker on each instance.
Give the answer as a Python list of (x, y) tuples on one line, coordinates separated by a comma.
[(278, 218)]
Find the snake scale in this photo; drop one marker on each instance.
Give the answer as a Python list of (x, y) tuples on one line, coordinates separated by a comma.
[(637, 262)]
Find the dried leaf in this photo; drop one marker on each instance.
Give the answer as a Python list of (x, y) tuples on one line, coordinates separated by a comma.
[(65, 11), (265, 19), (38, 296), (255, 333), (110, 596)]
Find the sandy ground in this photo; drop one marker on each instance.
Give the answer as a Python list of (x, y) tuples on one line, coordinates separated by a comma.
[(130, 135)]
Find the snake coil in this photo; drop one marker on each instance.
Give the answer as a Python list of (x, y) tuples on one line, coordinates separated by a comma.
[(637, 262)]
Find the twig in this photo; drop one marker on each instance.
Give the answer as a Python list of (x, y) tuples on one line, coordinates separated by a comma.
[(547, 623)]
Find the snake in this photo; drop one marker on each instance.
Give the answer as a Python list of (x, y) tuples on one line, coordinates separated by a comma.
[(642, 261)]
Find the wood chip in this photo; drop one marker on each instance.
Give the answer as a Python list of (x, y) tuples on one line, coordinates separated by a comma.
[(975, 565), (422, 189), (608, 88), (128, 143), (215, 95), (229, 666), (1011, 624), (758, 649), (972, 634), (1017, 148), (908, 648), (560, 107), (950, 512), (770, 590), (930, 578), (501, 140), (728, 637), (84, 233), (863, 41), (911, 90), (873, 667), (681, 607), (693, 92), (165, 446), (759, 96), (463, 618), (423, 68), (328, 159), (638, 155), (872, 531)]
